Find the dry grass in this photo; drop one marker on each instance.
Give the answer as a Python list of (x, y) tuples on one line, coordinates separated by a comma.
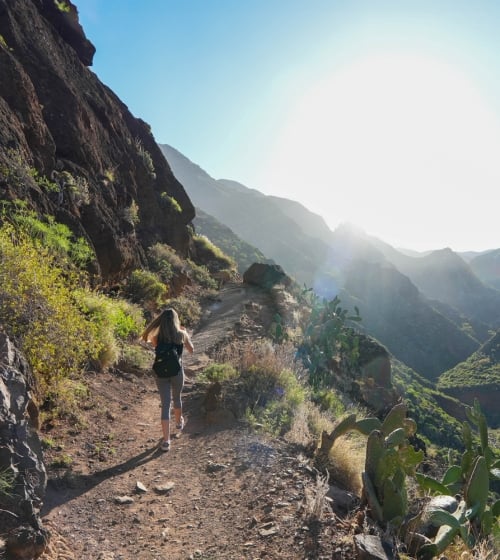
[(315, 499), (308, 424), (347, 462), (484, 550)]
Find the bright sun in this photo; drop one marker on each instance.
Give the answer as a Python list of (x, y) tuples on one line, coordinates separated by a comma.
[(393, 143)]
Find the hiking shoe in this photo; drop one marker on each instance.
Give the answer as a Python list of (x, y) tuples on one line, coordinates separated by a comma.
[(165, 446), (180, 425)]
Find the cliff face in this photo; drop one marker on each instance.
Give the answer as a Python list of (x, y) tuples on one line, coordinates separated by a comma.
[(106, 177)]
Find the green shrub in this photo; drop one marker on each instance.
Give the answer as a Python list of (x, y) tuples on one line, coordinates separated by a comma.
[(189, 310), (123, 319), (163, 260), (116, 321), (329, 401), (145, 287), (219, 372), (62, 461), (65, 398), (209, 251), (62, 6), (272, 400), (6, 482), (146, 158), (43, 182), (131, 213), (170, 203), (201, 275), (38, 307), (54, 236)]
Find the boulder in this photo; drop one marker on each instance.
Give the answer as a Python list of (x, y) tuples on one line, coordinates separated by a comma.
[(447, 503), (373, 547), (266, 275)]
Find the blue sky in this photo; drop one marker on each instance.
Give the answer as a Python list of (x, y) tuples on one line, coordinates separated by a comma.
[(384, 114)]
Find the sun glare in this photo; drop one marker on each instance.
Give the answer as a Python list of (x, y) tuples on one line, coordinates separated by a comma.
[(392, 142)]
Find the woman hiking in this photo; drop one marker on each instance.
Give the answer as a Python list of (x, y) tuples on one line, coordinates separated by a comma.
[(166, 329)]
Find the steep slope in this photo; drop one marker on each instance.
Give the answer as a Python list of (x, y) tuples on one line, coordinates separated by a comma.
[(396, 313), (255, 217), (72, 149), (311, 224)]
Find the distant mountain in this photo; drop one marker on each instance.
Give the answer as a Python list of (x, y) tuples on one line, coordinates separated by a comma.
[(486, 266), (444, 276), (242, 252), (469, 255)]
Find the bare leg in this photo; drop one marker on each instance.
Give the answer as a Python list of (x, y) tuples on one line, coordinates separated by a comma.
[(178, 415), (165, 427)]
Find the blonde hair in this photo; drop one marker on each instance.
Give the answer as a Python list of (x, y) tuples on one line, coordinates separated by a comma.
[(168, 325)]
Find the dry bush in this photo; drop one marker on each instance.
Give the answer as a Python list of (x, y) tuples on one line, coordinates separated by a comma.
[(268, 390), (263, 354)]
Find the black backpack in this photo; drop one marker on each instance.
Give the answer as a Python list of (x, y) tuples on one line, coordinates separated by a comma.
[(167, 359)]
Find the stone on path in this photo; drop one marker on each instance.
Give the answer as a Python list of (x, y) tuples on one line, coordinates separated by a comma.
[(164, 488), (124, 500)]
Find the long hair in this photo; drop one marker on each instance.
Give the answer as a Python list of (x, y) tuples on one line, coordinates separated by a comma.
[(168, 325)]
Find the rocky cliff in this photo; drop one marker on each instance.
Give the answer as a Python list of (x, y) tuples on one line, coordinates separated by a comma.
[(70, 148)]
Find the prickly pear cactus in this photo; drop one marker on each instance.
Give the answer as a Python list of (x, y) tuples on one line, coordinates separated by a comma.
[(389, 458), (475, 518)]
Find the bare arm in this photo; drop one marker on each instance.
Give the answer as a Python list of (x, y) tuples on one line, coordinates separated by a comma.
[(187, 342)]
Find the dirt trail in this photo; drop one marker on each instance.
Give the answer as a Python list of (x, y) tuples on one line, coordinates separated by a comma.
[(219, 493), (235, 309)]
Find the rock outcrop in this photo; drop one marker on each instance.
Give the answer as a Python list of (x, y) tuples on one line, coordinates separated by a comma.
[(70, 148), (22, 472), (266, 275)]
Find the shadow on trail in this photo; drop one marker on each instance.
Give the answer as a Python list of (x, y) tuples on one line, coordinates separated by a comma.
[(71, 485)]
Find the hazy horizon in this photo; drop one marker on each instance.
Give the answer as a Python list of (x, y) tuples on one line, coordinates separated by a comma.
[(385, 115)]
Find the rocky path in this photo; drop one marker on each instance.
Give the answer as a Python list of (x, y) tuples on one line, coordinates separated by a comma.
[(221, 492)]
